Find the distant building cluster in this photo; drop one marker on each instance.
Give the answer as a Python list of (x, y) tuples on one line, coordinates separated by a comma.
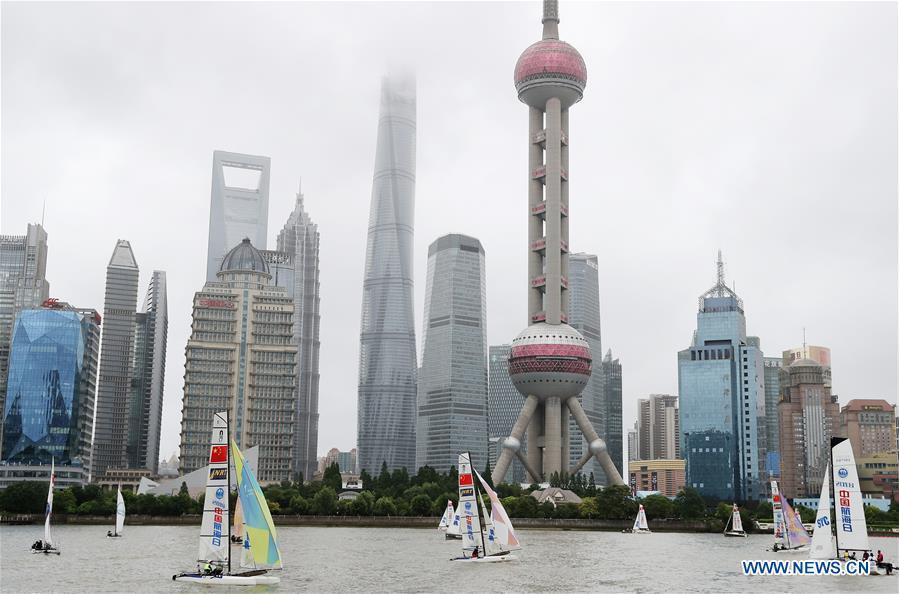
[(92, 406)]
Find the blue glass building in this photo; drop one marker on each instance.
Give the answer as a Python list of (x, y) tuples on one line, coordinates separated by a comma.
[(722, 400), (51, 386)]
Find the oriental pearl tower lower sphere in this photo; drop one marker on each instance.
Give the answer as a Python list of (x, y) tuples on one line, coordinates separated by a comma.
[(550, 361)]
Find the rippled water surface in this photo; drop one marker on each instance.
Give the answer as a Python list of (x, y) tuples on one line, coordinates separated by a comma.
[(415, 560)]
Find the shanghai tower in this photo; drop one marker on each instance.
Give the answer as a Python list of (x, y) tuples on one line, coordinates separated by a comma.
[(550, 362), (387, 358)]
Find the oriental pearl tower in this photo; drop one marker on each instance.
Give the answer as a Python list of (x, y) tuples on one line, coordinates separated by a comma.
[(550, 361)]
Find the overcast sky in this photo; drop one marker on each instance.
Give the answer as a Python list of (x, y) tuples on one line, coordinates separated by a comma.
[(766, 130)]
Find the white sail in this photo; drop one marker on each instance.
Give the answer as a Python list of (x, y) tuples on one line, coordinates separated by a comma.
[(447, 518), (48, 540), (472, 536), (503, 530), (849, 512), (778, 515), (491, 544), (214, 543), (640, 522), (119, 512), (455, 527), (822, 537), (736, 521)]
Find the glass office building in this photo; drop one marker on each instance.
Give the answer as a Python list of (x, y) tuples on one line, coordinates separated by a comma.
[(51, 387), (452, 381), (722, 400), (503, 405)]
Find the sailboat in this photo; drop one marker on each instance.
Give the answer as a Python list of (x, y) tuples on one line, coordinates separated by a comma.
[(214, 552), (119, 516), (850, 525), (641, 526), (488, 541), (789, 533), (237, 530), (46, 546), (735, 523), (449, 523), (822, 537)]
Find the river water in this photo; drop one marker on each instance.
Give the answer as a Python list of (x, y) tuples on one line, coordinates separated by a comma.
[(416, 560)]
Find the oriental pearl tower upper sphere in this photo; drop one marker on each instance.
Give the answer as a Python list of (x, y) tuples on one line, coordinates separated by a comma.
[(550, 68)]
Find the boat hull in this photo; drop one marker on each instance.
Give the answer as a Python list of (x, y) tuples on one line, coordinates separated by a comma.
[(46, 552), (227, 580), (734, 533), (802, 549), (641, 531), (491, 559), (452, 536)]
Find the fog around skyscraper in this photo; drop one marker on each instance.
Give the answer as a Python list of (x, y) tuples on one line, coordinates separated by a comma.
[(765, 129)]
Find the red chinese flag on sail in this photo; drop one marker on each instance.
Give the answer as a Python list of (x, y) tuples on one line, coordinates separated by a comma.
[(776, 498), (219, 454), (464, 479)]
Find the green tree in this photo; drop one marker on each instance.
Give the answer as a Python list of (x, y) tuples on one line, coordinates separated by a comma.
[(24, 498), (689, 504), (566, 511), (723, 512), (325, 502), (64, 502), (658, 506), (183, 490), (615, 503), (299, 505), (589, 508), (508, 490), (363, 504), (420, 505), (332, 477), (763, 511), (384, 506), (344, 507)]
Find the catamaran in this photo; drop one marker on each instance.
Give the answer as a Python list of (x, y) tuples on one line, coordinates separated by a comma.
[(789, 533), (735, 524), (492, 540), (449, 523), (46, 546), (119, 516), (260, 547), (851, 526), (641, 526)]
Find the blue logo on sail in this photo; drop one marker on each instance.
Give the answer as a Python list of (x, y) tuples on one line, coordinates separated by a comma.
[(220, 493), (843, 473)]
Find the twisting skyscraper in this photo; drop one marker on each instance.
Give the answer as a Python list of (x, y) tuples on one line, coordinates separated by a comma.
[(300, 240), (452, 382), (550, 362), (387, 360)]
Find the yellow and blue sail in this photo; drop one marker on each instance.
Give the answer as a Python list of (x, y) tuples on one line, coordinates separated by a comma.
[(259, 529)]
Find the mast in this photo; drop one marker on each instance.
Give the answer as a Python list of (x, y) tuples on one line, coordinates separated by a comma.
[(833, 493), (478, 504), (228, 474)]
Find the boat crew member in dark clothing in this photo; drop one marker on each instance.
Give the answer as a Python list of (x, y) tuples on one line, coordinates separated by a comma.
[(474, 553)]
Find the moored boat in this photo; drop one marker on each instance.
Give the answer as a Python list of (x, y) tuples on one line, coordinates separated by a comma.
[(641, 526), (734, 526)]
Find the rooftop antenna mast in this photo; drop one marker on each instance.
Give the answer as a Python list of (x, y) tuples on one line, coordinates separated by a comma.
[(804, 349), (720, 270)]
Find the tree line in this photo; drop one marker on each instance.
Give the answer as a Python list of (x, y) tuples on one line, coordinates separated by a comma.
[(396, 493)]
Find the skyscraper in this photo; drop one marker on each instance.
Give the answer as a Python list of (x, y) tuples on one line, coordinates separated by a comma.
[(658, 427), (452, 381), (145, 407), (503, 403), (772, 424), (300, 239), (869, 425), (387, 357), (722, 404), (613, 393), (116, 361), (808, 415), (23, 285), (239, 205), (240, 357), (52, 375), (550, 362), (583, 316)]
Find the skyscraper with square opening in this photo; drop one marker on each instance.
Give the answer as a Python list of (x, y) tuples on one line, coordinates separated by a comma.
[(238, 207)]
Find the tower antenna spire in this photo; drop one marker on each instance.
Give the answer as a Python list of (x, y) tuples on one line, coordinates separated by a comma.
[(804, 347), (550, 19), (720, 270), (43, 211)]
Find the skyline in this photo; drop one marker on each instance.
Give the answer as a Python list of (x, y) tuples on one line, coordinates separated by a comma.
[(746, 148)]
